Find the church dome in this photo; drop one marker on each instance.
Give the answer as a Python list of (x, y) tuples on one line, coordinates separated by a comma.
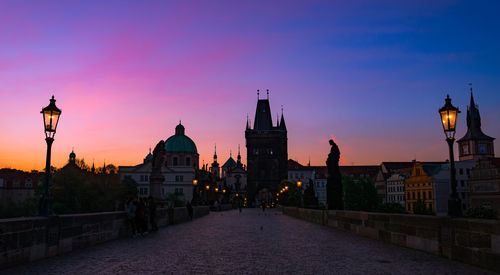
[(72, 155), (180, 142)]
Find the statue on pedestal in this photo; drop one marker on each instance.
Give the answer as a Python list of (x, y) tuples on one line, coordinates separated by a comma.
[(334, 191), (156, 178)]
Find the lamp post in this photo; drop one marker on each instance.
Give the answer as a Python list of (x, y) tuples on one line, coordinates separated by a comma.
[(448, 115), (195, 192), (50, 119)]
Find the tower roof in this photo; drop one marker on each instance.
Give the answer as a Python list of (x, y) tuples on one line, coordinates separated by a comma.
[(263, 119), (230, 163), (474, 131)]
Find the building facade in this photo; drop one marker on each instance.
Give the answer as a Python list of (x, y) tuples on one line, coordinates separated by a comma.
[(17, 186), (420, 186), (484, 184), (181, 160), (267, 154), (396, 186)]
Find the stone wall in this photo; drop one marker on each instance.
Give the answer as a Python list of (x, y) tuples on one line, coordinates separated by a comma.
[(472, 241), (28, 239)]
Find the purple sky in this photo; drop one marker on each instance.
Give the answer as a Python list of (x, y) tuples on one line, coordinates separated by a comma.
[(372, 74)]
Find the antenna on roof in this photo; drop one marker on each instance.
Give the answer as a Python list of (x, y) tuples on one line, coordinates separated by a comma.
[(470, 84)]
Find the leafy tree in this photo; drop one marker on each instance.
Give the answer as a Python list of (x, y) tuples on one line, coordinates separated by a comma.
[(359, 195), (128, 188), (481, 212), (391, 207), (292, 196), (421, 209), (310, 199)]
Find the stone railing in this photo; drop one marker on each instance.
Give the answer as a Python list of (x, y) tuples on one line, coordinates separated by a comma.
[(472, 241), (222, 207), (28, 239)]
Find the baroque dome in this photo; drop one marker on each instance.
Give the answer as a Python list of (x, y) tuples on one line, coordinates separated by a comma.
[(180, 142)]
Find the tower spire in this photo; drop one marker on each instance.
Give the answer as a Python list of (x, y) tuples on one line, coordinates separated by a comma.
[(258, 94), (215, 152), (248, 126), (230, 153), (282, 122), (267, 94)]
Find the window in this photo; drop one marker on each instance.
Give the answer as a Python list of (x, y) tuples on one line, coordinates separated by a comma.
[(179, 178), (468, 171), (174, 161), (188, 161), (142, 178), (417, 172), (430, 195), (462, 183), (423, 195), (15, 184), (461, 171), (179, 190), (146, 177), (28, 183)]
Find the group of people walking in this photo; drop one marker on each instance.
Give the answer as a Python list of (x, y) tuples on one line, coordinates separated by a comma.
[(141, 215)]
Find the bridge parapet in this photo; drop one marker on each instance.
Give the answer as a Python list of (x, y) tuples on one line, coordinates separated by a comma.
[(472, 241), (28, 239)]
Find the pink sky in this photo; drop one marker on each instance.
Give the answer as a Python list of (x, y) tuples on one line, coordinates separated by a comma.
[(124, 74)]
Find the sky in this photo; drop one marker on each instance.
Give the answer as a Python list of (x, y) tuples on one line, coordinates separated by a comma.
[(370, 74)]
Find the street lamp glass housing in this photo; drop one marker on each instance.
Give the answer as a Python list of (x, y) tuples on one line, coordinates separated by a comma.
[(51, 116), (299, 183), (207, 187), (195, 182), (449, 118)]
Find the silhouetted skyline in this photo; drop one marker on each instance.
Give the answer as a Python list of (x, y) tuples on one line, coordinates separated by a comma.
[(371, 75)]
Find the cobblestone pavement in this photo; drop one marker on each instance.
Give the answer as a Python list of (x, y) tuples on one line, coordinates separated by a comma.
[(252, 242)]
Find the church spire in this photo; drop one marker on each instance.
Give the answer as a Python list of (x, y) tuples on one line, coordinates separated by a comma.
[(215, 153), (282, 122), (239, 155), (475, 144), (248, 126), (93, 167)]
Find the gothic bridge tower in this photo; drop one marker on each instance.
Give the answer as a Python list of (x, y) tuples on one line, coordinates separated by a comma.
[(267, 153)]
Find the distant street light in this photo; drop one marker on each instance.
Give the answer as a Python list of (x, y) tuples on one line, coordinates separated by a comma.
[(195, 182), (50, 119), (448, 115), (207, 187), (216, 189), (299, 183)]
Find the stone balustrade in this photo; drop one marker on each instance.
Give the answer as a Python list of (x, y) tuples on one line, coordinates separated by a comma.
[(28, 239), (471, 241)]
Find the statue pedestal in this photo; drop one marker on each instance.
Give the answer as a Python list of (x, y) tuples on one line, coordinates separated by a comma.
[(155, 184)]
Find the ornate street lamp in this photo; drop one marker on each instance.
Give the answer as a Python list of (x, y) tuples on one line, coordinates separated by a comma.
[(448, 115), (194, 201), (51, 116)]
